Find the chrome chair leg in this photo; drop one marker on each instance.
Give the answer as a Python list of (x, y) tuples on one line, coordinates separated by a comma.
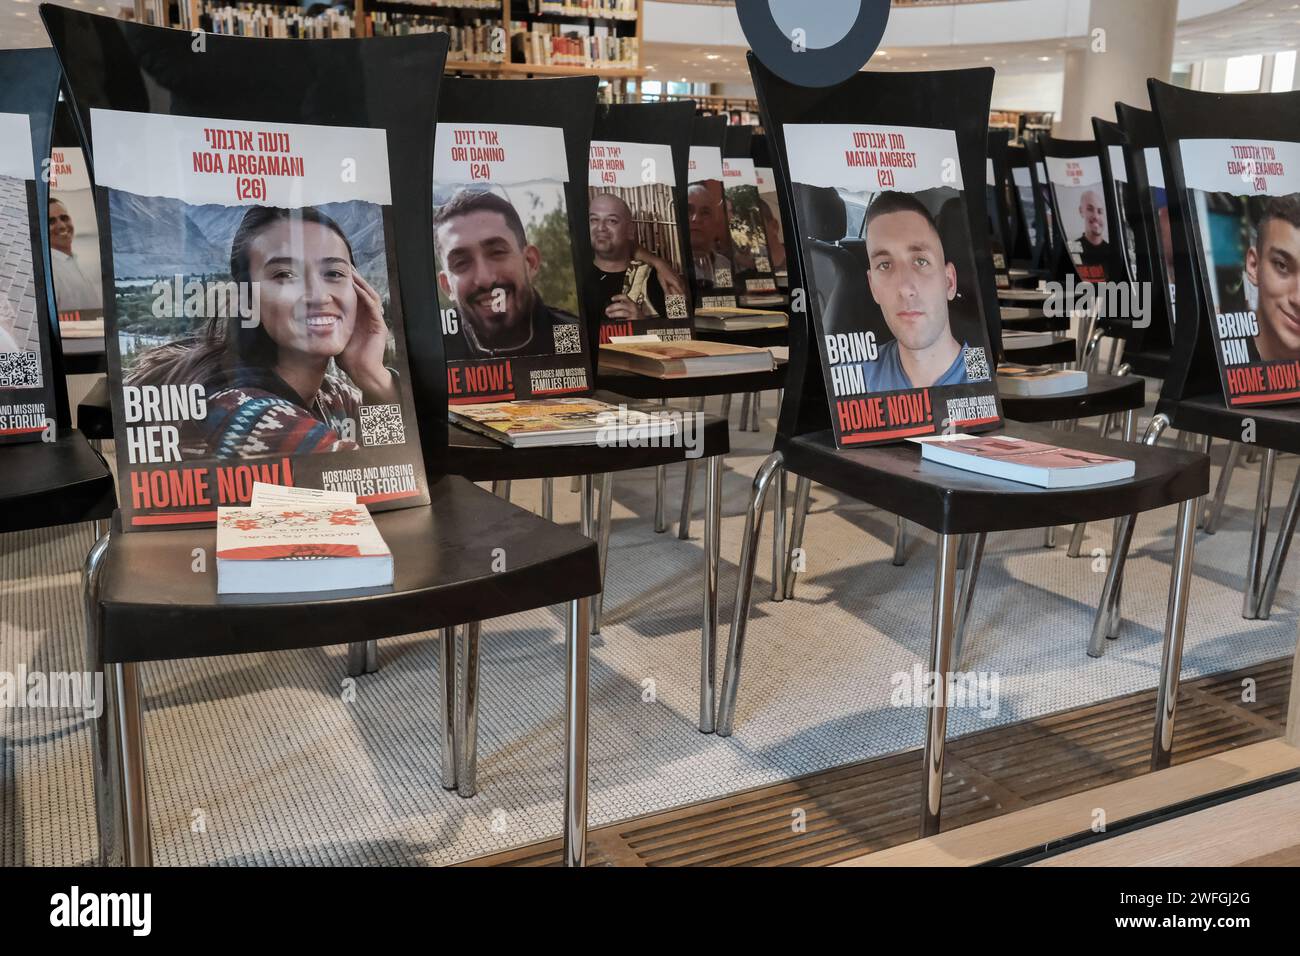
[(1076, 540), (363, 658), (726, 407), (900, 541), (465, 778), (110, 819), (575, 484), (447, 707), (501, 489), (753, 422), (1280, 548), (744, 591), (602, 545), (1104, 621), (661, 484), (802, 490), (744, 411), (778, 537), (688, 499), (1258, 535), (548, 499), (941, 639), (1214, 510), (1171, 657), (966, 599), (577, 677), (130, 741), (712, 553)]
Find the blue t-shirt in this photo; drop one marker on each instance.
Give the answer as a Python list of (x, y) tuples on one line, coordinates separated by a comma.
[(886, 373)]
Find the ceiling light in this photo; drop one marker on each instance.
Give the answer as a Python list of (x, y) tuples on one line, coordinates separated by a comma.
[(713, 56), (1044, 59)]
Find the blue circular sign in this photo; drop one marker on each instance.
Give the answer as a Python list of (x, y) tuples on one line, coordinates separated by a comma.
[(809, 43)]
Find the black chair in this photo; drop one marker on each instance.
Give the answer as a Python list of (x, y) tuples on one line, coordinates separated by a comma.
[(950, 502), (141, 603), (55, 477)]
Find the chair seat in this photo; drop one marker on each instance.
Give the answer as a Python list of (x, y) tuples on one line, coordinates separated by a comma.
[(94, 413), (1056, 353), (156, 608), (1017, 319), (1103, 395), (1276, 426), (1023, 296), (646, 387), (952, 501), (480, 458), (84, 357), (53, 483)]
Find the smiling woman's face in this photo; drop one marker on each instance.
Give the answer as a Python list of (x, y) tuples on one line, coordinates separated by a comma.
[(307, 300)]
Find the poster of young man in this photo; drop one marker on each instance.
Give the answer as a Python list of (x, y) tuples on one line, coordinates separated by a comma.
[(635, 283), (506, 274), (753, 276), (26, 400), (1080, 200), (897, 314), (1246, 201), (74, 246), (712, 257), (770, 211), (255, 332)]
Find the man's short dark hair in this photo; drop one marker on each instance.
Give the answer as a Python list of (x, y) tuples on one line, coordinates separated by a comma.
[(480, 200), (892, 201), (1284, 208)]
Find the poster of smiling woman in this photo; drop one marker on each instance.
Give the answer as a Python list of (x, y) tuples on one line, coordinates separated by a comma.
[(255, 331)]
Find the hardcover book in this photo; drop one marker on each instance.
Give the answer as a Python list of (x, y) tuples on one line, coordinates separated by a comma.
[(893, 286), (635, 283), (26, 374), (74, 246), (1028, 462), (506, 269), (255, 332), (1244, 197), (563, 421), (685, 359)]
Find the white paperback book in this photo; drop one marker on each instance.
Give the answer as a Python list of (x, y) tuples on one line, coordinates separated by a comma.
[(1021, 380), (292, 540), (1028, 462)]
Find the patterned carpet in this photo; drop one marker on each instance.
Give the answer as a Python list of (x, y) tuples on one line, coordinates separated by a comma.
[(263, 759)]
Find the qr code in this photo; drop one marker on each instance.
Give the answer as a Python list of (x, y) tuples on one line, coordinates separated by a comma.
[(977, 365), (676, 306), (567, 340), (19, 370), (382, 425)]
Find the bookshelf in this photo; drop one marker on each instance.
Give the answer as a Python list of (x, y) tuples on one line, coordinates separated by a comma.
[(489, 37)]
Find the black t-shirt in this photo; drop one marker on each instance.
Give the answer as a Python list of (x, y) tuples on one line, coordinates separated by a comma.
[(600, 287), (543, 319)]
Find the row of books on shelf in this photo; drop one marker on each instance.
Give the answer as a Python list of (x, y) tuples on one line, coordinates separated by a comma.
[(553, 44), (278, 23), (607, 9), (476, 42)]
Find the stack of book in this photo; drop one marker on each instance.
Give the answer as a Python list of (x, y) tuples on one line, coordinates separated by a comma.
[(292, 540), (688, 359)]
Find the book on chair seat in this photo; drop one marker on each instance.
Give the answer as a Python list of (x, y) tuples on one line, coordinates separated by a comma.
[(289, 543), (688, 359), (1029, 380), (722, 319), (562, 421), (1028, 462)]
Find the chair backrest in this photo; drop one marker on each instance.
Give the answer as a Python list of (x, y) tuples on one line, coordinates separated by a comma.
[(1074, 181), (29, 87), (1030, 237), (1230, 164), (666, 124), (955, 100), (531, 147), (707, 216), (1001, 190), (1051, 252), (330, 111), (770, 202), (1142, 150)]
